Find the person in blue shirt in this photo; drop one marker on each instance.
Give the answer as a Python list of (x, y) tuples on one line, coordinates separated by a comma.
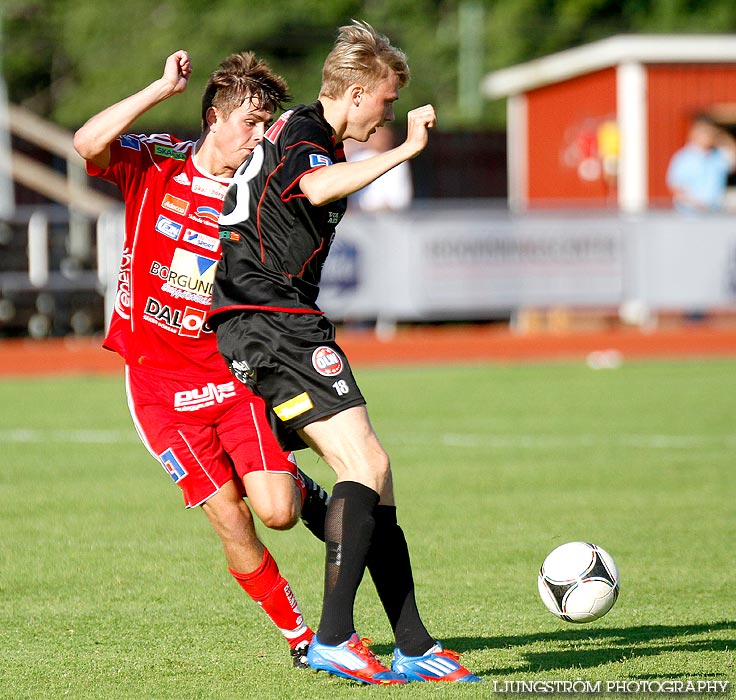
[(698, 173)]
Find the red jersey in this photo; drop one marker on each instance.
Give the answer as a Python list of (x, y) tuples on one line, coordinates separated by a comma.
[(169, 257)]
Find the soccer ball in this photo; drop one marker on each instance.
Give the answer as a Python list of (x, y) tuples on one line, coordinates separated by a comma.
[(578, 582)]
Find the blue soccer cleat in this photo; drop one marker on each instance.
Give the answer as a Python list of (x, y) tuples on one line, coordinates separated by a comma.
[(437, 664), (351, 659)]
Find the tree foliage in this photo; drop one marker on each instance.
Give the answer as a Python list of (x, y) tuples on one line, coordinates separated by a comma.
[(67, 59)]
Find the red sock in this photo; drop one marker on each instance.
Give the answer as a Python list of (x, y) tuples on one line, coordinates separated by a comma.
[(271, 591)]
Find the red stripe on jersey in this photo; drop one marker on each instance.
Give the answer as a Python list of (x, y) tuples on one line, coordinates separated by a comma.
[(284, 190), (294, 184), (258, 210), (311, 257), (254, 307)]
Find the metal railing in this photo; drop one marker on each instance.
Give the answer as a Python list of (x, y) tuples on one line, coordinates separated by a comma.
[(61, 250)]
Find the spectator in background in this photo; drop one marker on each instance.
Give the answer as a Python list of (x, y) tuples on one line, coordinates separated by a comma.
[(392, 191), (698, 173)]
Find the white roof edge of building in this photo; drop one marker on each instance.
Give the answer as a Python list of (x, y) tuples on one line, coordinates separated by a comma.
[(623, 48)]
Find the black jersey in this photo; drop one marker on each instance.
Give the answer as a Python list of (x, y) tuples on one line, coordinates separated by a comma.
[(274, 242)]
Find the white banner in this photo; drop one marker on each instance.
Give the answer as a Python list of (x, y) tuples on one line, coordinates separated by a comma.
[(471, 261)]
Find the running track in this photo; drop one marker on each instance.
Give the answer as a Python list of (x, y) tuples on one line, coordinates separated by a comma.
[(440, 345)]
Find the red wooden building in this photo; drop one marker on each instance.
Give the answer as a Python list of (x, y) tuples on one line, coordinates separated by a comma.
[(595, 126)]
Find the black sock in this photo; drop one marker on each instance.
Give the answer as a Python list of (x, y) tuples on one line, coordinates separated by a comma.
[(390, 567), (348, 530), (314, 506)]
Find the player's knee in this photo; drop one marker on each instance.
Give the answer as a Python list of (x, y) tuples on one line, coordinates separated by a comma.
[(373, 472), (380, 469), (278, 516)]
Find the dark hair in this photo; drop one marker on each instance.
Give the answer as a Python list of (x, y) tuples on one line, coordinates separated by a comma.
[(239, 77)]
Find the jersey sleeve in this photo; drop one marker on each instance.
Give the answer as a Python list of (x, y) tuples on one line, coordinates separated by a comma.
[(130, 157), (309, 147)]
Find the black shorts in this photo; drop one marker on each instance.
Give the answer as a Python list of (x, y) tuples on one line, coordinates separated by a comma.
[(293, 362)]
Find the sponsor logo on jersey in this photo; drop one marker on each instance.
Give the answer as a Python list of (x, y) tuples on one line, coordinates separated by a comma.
[(168, 152), (202, 240), (242, 370), (195, 399), (333, 217), (169, 228), (205, 214), (230, 235), (189, 322), (192, 272), (209, 188), (175, 204), (164, 272), (326, 361), (182, 179), (123, 296), (174, 468), (192, 322), (127, 141), (294, 407), (318, 160), (273, 133)]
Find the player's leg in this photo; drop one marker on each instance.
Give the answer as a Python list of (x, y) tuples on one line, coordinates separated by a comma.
[(275, 498), (280, 500), (255, 570), (231, 519), (417, 655), (191, 453), (348, 442), (278, 491), (348, 445), (389, 565)]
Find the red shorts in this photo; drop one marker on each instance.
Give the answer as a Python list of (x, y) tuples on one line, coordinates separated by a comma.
[(204, 434)]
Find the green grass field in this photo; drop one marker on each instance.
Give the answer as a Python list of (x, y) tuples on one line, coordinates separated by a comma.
[(110, 589)]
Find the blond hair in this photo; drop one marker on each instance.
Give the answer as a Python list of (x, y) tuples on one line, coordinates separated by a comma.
[(361, 55), (239, 77)]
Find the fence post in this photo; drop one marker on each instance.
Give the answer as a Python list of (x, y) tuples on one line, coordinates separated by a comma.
[(110, 238), (38, 249)]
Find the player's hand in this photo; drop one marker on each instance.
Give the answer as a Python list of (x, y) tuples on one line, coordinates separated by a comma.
[(419, 122), (177, 71)]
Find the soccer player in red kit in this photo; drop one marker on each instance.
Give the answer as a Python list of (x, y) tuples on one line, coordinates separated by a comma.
[(276, 228), (210, 432)]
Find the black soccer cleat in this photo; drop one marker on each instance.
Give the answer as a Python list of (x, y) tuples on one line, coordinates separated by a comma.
[(299, 655), (314, 507)]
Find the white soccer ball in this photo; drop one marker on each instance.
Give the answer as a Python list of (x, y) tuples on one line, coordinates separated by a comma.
[(578, 582)]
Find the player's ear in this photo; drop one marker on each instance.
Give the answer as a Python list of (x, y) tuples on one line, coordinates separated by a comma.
[(211, 116), (356, 93)]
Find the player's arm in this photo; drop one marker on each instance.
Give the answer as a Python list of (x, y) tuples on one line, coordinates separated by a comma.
[(336, 181), (92, 141)]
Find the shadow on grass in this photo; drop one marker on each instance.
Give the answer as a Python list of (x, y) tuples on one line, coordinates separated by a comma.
[(578, 647)]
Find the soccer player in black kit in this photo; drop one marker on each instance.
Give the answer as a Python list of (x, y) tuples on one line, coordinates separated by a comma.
[(276, 228)]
